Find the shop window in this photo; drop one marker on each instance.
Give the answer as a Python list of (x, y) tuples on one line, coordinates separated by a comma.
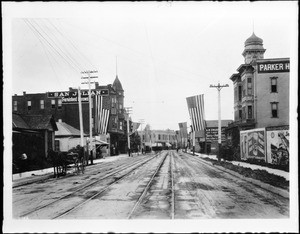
[(15, 106), (53, 103), (42, 104), (29, 105), (274, 109), (59, 104), (273, 84)]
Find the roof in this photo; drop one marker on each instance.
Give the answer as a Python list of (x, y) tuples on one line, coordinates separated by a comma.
[(65, 129), (18, 122), (214, 123), (37, 122), (253, 40), (117, 85)]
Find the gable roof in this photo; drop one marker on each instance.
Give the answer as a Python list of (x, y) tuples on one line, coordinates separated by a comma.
[(18, 122), (36, 122), (65, 129)]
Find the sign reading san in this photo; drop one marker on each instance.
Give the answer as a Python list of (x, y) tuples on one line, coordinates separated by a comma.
[(72, 96)]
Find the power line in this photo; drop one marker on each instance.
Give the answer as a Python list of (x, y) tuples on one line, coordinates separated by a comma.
[(65, 52)]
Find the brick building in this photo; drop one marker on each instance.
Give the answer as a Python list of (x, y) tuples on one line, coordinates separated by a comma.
[(63, 105)]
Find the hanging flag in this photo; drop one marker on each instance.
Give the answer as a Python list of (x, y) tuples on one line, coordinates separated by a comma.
[(196, 111), (101, 116), (135, 126), (183, 129)]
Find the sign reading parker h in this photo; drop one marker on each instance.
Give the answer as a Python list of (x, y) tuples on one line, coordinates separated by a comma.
[(273, 67), (72, 96)]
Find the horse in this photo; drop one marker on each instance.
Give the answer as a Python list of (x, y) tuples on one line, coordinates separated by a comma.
[(58, 161)]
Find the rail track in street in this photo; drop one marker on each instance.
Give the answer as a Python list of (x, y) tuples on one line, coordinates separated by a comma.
[(159, 192), (128, 168)]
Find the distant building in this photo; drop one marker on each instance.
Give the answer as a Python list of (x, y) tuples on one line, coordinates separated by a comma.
[(161, 138), (261, 91), (63, 105)]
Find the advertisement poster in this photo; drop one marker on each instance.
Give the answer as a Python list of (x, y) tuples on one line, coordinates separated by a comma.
[(278, 147), (252, 143)]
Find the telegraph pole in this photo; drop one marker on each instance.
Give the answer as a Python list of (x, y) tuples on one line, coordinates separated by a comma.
[(219, 87), (90, 108), (128, 111), (141, 122)]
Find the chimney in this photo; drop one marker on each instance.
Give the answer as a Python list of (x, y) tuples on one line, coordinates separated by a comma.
[(24, 93)]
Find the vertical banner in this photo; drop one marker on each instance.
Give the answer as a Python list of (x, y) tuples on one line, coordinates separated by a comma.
[(196, 111)]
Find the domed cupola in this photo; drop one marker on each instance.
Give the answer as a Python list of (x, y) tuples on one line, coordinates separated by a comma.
[(253, 49)]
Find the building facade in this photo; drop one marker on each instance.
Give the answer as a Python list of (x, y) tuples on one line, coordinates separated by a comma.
[(261, 91), (162, 138), (63, 105)]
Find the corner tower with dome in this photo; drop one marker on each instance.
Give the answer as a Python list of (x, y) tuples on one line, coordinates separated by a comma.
[(261, 91)]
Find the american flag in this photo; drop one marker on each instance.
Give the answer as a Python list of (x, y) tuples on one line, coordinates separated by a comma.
[(101, 116), (196, 111), (183, 129)]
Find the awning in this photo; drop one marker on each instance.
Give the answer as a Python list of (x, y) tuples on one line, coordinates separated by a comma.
[(168, 144), (99, 142)]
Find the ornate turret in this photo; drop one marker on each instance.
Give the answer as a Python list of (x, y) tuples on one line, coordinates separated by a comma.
[(253, 49), (117, 85)]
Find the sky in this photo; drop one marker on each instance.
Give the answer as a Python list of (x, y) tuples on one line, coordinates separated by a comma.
[(162, 52)]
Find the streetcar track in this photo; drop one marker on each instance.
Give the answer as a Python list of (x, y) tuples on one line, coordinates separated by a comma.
[(147, 187), (139, 163)]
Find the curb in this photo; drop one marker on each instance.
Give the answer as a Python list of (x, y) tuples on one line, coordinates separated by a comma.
[(279, 191)]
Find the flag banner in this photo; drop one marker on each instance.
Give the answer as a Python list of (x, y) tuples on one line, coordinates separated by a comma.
[(101, 116), (135, 126), (183, 129), (196, 111)]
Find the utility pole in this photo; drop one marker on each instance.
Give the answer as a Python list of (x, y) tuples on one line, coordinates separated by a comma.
[(141, 121), (128, 111), (90, 108), (219, 87)]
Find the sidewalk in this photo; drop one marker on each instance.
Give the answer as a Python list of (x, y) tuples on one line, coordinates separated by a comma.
[(46, 173), (284, 174)]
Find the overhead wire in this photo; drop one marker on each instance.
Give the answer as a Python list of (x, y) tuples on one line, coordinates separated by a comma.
[(51, 46), (64, 52)]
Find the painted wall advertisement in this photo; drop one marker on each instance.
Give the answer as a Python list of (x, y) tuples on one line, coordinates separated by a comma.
[(278, 146), (253, 144)]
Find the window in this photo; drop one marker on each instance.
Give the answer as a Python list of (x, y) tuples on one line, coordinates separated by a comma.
[(15, 105), (240, 93), (59, 104), (273, 84), (56, 145), (240, 114), (249, 86), (53, 103), (121, 125), (29, 105), (42, 104), (274, 109), (249, 112), (244, 113), (113, 101), (113, 111)]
